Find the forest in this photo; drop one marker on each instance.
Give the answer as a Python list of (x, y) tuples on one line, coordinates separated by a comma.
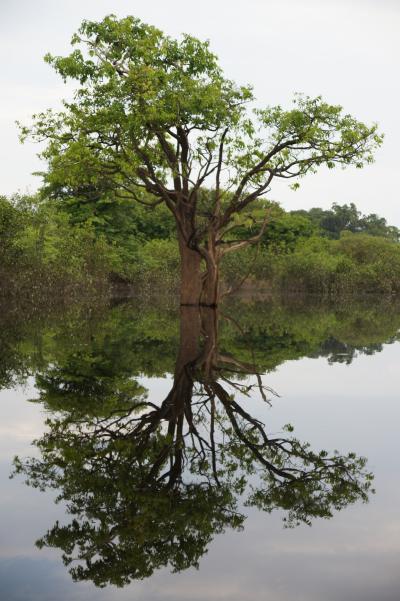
[(81, 244)]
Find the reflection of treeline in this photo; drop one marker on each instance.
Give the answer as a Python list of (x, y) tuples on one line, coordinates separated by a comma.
[(272, 333), (82, 242), (102, 349)]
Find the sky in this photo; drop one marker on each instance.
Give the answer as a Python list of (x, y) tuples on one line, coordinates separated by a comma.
[(346, 50)]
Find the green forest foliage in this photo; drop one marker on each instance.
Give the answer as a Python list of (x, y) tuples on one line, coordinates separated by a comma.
[(332, 251), (86, 241), (40, 247)]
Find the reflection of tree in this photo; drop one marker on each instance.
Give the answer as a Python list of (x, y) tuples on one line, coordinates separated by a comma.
[(149, 484)]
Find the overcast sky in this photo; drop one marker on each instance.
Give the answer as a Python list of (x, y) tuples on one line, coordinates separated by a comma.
[(346, 50)]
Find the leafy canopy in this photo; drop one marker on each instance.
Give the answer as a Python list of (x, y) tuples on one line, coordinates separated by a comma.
[(156, 116)]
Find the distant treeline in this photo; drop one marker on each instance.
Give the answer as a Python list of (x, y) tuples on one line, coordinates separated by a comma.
[(347, 218), (84, 241)]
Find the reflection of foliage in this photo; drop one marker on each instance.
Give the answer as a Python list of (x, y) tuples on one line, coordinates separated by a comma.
[(124, 525), (143, 496), (150, 483), (90, 342), (94, 379), (128, 340), (330, 483), (272, 333)]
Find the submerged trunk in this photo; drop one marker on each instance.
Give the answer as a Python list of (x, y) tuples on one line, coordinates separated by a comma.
[(197, 288), (191, 283), (211, 290)]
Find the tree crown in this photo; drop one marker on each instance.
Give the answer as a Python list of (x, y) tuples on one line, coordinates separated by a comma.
[(157, 115)]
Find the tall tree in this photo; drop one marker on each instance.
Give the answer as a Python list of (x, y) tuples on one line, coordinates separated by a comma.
[(155, 120)]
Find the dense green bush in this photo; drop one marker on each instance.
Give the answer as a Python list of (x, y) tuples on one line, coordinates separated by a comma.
[(157, 261), (354, 263), (11, 225), (39, 247)]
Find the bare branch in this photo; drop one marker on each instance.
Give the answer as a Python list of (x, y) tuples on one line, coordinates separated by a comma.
[(235, 245)]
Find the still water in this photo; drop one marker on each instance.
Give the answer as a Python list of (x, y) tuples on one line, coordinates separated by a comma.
[(164, 454)]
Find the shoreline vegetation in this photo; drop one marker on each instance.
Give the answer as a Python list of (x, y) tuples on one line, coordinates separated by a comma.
[(77, 249)]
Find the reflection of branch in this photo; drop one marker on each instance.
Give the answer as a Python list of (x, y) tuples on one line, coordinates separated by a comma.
[(213, 453), (247, 369), (254, 372), (262, 388), (229, 404)]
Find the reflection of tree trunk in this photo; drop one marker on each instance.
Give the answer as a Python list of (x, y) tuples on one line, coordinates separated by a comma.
[(209, 330), (197, 325), (189, 338), (177, 407), (179, 400), (180, 396)]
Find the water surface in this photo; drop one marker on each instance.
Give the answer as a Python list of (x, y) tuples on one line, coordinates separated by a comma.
[(187, 442)]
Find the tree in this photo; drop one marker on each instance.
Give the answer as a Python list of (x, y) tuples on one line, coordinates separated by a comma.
[(156, 121), (341, 218)]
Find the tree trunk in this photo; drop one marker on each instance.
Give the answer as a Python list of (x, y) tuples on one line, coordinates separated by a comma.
[(197, 288), (210, 292), (191, 283)]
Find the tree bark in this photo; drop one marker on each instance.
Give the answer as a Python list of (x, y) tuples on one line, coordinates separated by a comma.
[(198, 288), (210, 289), (191, 283)]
